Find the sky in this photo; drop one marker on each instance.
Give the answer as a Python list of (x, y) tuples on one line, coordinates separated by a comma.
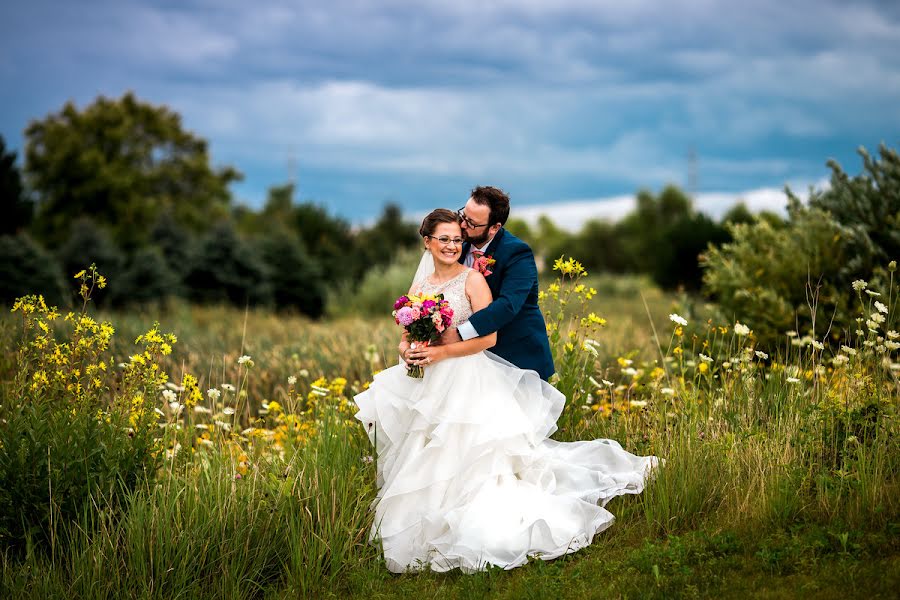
[(570, 106)]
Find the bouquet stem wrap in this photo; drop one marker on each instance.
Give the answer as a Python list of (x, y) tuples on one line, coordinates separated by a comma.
[(417, 371)]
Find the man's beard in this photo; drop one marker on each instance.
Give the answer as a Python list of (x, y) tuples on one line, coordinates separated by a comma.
[(477, 241)]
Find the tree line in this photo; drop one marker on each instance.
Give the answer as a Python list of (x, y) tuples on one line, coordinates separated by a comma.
[(122, 184)]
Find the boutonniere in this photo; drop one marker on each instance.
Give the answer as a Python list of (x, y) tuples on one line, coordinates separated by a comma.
[(483, 263)]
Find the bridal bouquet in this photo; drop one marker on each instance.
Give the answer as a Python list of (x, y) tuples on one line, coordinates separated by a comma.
[(424, 318)]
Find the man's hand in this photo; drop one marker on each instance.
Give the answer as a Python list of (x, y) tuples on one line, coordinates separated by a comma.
[(450, 336)]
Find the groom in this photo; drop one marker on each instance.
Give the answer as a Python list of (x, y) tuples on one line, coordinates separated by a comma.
[(514, 314)]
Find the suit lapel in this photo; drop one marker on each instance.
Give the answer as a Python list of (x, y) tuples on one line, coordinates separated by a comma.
[(492, 247)]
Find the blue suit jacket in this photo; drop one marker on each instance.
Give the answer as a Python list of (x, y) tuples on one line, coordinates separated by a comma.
[(514, 314)]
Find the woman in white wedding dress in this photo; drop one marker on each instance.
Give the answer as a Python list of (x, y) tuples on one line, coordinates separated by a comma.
[(467, 475)]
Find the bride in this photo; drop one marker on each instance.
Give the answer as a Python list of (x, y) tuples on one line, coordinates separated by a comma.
[(468, 477)]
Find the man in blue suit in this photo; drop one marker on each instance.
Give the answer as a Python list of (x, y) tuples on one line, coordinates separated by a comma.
[(514, 314)]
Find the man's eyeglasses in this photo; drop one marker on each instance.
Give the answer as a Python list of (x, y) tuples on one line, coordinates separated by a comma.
[(446, 240), (462, 217)]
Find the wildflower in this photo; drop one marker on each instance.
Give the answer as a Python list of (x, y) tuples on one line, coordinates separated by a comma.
[(703, 367), (818, 345), (169, 396), (274, 406), (292, 380), (245, 360), (678, 319), (638, 403), (667, 391), (227, 387), (791, 334), (607, 383), (741, 329), (793, 380), (848, 350), (624, 362), (892, 266), (859, 285), (892, 335), (762, 355), (881, 307), (213, 394), (877, 317), (891, 345), (871, 293), (840, 359), (705, 358), (630, 371), (228, 411)]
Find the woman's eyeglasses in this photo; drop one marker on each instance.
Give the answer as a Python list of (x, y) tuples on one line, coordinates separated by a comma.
[(446, 240)]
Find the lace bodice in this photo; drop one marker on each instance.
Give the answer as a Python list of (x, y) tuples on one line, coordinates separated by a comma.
[(454, 291)]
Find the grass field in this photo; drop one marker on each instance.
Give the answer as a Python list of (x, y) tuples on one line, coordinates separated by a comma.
[(782, 477)]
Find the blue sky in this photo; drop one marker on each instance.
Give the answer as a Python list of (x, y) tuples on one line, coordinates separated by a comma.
[(572, 103)]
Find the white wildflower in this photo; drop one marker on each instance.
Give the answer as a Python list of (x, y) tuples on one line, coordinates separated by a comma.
[(213, 394), (638, 403), (678, 319), (859, 285), (202, 409), (892, 335), (741, 329), (630, 371), (848, 350), (169, 396), (881, 307), (175, 407), (705, 358), (667, 391), (877, 317), (872, 325), (762, 355), (607, 383), (840, 359), (292, 380), (818, 345), (871, 293), (791, 334), (245, 360), (228, 411), (793, 380), (303, 373), (891, 345), (224, 425), (227, 387)]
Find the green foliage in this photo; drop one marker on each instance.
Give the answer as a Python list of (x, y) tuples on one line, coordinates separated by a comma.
[(123, 161), (681, 243), (228, 269), (15, 207), (178, 247), (795, 275), (379, 288), (25, 267), (297, 282), (146, 279), (68, 445), (90, 243)]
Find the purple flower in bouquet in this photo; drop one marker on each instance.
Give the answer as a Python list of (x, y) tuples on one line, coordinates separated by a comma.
[(407, 315), (401, 302)]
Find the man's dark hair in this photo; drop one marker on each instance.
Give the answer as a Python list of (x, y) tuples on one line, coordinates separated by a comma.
[(495, 199)]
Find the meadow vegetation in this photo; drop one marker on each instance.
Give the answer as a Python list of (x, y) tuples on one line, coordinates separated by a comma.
[(224, 461)]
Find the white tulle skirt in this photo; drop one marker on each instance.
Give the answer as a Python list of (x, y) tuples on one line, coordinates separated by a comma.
[(467, 476)]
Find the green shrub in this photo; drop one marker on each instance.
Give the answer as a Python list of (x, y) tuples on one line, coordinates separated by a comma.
[(25, 267), (379, 288), (69, 441)]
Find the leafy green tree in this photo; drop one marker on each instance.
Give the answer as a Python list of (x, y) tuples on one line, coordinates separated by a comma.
[(178, 248), (228, 269), (123, 162), (387, 236), (739, 213), (89, 243), (296, 279), (26, 268), (146, 279), (869, 205), (16, 208), (328, 240), (677, 264)]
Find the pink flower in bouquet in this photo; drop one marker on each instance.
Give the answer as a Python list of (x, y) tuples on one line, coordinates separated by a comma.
[(401, 302), (406, 315), (427, 305), (438, 321)]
